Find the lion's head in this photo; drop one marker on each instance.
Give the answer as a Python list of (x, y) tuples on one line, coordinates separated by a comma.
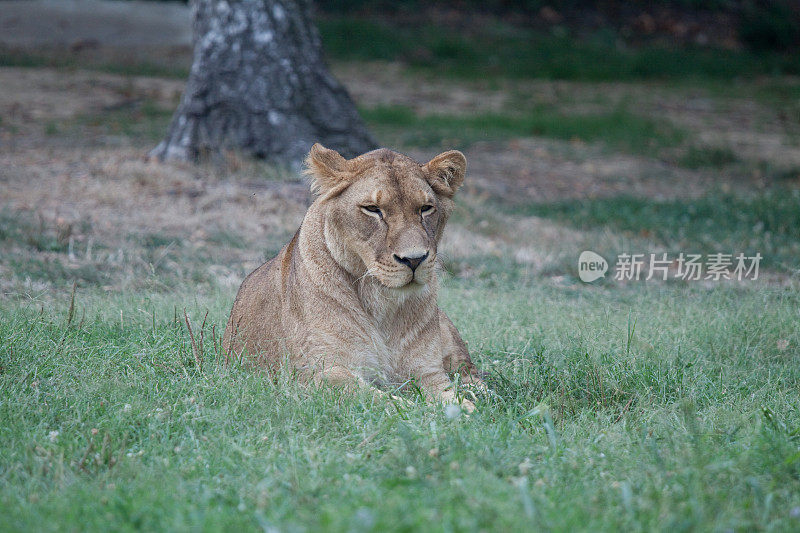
[(384, 213)]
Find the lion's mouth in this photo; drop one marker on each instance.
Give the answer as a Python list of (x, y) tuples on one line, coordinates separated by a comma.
[(401, 280), (416, 282)]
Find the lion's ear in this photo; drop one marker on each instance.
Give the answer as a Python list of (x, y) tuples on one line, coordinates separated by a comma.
[(445, 172), (327, 169)]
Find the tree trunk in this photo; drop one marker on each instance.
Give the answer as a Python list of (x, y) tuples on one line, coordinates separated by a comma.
[(259, 84)]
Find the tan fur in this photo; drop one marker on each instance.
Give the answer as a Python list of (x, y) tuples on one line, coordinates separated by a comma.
[(336, 303)]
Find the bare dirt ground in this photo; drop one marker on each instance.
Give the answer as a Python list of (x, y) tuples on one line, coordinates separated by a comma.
[(76, 23), (536, 168)]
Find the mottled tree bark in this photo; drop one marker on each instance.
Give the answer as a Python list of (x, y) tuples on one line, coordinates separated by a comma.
[(259, 84)]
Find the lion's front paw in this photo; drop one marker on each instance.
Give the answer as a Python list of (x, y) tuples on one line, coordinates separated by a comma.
[(467, 405), (449, 398), (476, 387)]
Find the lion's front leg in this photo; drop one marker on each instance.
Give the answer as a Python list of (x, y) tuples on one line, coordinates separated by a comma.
[(425, 363), (455, 356)]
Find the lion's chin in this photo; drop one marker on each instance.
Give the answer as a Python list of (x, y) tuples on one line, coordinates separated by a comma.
[(404, 285), (413, 285)]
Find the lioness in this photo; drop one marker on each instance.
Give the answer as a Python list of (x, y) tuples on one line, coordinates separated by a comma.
[(352, 297)]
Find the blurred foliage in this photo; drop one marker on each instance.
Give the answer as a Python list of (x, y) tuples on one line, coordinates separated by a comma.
[(530, 6), (760, 24), (500, 49), (771, 25)]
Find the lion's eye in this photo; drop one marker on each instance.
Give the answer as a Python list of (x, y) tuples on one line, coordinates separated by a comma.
[(372, 209), (425, 209)]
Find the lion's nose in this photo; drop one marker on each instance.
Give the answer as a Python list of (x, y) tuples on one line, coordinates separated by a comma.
[(411, 261)]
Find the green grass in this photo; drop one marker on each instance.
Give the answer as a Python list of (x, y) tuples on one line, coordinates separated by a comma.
[(142, 120), (649, 415), (498, 49), (61, 59), (36, 250), (618, 129), (714, 157), (36, 233), (766, 222)]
